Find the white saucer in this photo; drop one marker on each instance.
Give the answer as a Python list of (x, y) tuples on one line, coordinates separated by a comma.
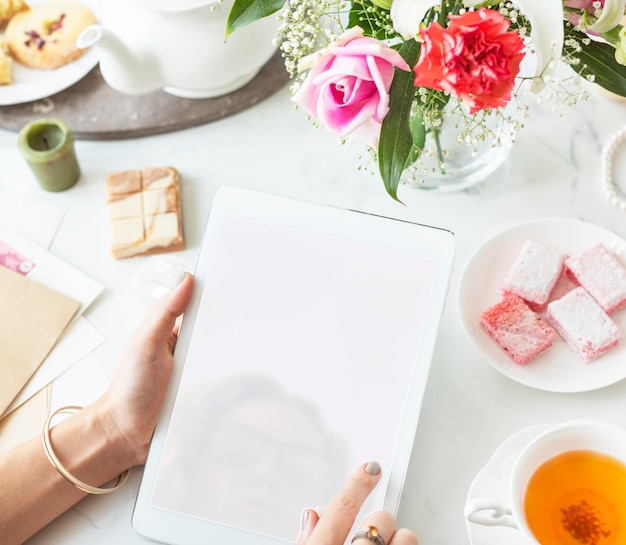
[(558, 369), (493, 481)]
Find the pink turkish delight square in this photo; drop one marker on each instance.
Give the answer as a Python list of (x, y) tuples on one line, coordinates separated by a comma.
[(563, 285), (517, 329), (584, 325), (534, 274), (601, 274)]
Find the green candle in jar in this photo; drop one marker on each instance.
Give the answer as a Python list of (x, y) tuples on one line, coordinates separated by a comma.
[(48, 147)]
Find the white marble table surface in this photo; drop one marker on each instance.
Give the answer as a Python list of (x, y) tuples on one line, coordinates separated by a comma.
[(469, 408)]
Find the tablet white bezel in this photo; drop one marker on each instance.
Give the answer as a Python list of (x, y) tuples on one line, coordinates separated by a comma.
[(171, 527)]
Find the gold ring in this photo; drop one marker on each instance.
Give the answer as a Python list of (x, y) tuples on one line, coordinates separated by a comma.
[(372, 533)]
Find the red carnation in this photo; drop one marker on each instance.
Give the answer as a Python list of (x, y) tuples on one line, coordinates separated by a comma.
[(476, 58)]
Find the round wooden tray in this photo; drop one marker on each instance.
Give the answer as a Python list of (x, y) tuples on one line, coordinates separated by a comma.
[(97, 112)]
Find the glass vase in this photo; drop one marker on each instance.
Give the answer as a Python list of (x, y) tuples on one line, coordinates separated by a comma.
[(461, 152)]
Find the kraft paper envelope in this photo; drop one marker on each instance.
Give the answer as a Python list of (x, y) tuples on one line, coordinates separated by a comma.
[(32, 318), (78, 340), (25, 422)]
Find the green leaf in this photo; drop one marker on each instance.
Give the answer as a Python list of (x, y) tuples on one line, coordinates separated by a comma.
[(597, 59), (396, 140), (418, 135), (245, 12)]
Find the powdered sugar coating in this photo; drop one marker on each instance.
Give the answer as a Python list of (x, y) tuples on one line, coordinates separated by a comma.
[(601, 274), (518, 330), (534, 274), (583, 324)]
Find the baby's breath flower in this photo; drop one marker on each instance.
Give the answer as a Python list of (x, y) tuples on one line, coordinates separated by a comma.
[(307, 27)]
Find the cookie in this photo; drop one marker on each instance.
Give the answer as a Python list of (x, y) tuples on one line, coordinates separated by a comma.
[(8, 8), (6, 67), (45, 35)]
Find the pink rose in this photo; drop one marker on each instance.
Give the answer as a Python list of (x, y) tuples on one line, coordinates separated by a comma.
[(476, 59), (347, 87)]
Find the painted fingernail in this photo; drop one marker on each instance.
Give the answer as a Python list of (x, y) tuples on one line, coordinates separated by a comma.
[(372, 468)]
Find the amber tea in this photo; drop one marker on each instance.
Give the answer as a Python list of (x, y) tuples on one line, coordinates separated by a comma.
[(578, 497)]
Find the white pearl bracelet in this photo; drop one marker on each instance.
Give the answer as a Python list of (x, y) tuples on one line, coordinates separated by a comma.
[(615, 196)]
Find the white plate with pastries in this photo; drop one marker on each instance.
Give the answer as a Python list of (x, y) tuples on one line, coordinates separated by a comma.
[(30, 84), (558, 369)]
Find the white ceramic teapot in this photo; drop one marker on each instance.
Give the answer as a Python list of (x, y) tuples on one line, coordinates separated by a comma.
[(178, 46)]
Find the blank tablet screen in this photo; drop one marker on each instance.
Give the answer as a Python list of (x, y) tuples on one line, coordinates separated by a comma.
[(298, 369)]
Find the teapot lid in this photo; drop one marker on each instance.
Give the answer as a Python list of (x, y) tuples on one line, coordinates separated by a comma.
[(175, 5)]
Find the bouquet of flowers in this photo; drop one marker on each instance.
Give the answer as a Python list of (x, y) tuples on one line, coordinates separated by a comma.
[(387, 73)]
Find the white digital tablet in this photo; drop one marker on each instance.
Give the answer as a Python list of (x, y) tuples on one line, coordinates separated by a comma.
[(304, 353)]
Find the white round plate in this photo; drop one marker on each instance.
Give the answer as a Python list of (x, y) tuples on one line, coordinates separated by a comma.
[(558, 369), (493, 481), (31, 84)]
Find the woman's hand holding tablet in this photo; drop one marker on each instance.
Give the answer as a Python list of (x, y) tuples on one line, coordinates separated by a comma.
[(304, 351)]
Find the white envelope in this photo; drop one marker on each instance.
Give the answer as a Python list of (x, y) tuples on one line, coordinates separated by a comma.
[(35, 219), (50, 271), (80, 338)]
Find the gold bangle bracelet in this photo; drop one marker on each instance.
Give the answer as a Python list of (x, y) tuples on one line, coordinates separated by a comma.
[(47, 447)]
